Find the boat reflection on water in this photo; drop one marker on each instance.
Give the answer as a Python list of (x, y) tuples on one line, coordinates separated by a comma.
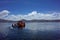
[(19, 24)]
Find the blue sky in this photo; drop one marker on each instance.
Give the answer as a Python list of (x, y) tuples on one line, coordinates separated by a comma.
[(28, 7)]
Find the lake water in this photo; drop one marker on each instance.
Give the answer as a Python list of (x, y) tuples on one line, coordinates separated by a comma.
[(32, 31)]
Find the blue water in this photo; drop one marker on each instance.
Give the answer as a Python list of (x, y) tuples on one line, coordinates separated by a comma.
[(32, 31)]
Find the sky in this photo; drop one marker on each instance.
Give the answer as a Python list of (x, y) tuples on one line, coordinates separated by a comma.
[(29, 9)]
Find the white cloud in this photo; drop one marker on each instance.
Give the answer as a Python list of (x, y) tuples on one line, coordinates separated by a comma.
[(30, 16), (4, 13)]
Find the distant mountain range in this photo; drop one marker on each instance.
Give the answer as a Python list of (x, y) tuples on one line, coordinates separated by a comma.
[(41, 20), (3, 20)]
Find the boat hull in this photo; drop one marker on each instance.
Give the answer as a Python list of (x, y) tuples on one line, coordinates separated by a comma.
[(19, 25)]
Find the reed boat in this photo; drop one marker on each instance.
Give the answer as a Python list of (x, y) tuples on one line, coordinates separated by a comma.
[(19, 24)]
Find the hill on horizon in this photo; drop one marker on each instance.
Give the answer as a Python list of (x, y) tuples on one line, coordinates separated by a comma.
[(35, 20)]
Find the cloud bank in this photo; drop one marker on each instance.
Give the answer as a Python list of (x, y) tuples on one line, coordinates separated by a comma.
[(4, 13), (32, 15)]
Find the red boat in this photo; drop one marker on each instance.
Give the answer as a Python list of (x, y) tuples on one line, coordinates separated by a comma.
[(19, 24)]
